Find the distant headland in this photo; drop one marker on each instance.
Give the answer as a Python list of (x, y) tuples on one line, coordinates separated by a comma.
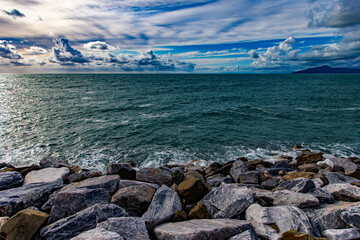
[(327, 69)]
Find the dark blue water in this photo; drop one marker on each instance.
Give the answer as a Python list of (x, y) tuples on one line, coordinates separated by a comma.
[(91, 119)]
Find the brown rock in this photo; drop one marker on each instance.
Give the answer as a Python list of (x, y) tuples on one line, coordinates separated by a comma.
[(295, 235), (193, 174), (309, 158), (3, 220), (24, 224), (29, 169), (253, 164), (309, 167), (283, 158), (293, 175), (199, 212), (212, 168), (75, 169), (154, 175), (192, 190), (179, 216), (297, 147)]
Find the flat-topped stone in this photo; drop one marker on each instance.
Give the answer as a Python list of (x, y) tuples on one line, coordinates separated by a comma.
[(47, 175), (98, 234)]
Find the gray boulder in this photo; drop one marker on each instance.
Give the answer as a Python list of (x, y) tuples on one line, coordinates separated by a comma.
[(47, 175), (302, 185), (271, 222), (84, 220), (346, 164), (54, 162), (251, 177), (344, 191), (217, 180), (162, 207), (127, 227), (70, 202), (270, 183), (247, 235), (286, 197), (342, 234), (128, 183), (201, 229), (322, 195), (237, 168), (154, 175), (98, 234), (16, 199), (334, 178), (228, 201), (125, 170), (10, 179), (351, 215)]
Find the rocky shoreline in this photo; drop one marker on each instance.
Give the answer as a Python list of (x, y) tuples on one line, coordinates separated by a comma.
[(307, 197)]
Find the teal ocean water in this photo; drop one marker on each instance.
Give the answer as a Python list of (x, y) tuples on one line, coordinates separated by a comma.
[(152, 119)]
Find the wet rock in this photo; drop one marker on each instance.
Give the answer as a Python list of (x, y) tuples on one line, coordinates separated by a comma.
[(334, 178), (16, 199), (162, 207), (342, 234), (247, 235), (128, 183), (179, 216), (127, 227), (228, 201), (199, 212), (302, 185), (351, 215), (178, 176), (84, 220), (322, 195), (98, 234), (154, 175), (343, 191), (125, 170), (10, 179), (310, 167), (72, 201), (251, 177), (271, 222), (192, 190), (54, 162), (134, 199), (270, 183), (201, 229), (293, 234), (47, 175), (309, 158), (237, 168)]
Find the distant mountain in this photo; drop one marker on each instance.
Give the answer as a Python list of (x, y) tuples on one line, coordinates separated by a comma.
[(327, 69)]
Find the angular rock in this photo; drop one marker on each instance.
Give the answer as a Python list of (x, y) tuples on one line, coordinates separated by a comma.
[(128, 183), (193, 174), (277, 171), (351, 215), (212, 168), (318, 182), (127, 227), (282, 164), (252, 165), (322, 195), (125, 170), (293, 234), (310, 167), (134, 199), (199, 212), (250, 177), (192, 190), (300, 200), (343, 192), (47, 175), (346, 164), (270, 183), (3, 220), (72, 201), (247, 235), (237, 168), (294, 175), (98, 234), (178, 176), (53, 162), (271, 222), (154, 175), (16, 199), (162, 207), (342, 234), (10, 179), (215, 181), (24, 224), (334, 178), (302, 185), (326, 163), (202, 229), (309, 158), (179, 216), (84, 220), (228, 201)]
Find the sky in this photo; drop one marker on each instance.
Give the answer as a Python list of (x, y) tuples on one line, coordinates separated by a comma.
[(201, 36)]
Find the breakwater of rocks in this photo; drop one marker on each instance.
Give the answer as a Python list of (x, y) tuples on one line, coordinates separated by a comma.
[(305, 197)]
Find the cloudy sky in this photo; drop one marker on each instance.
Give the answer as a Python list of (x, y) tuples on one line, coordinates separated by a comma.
[(245, 36)]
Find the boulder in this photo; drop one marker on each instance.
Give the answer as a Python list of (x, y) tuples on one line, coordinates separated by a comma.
[(302, 185), (351, 215), (16, 199), (212, 168), (247, 235), (84, 220), (128, 183), (3, 220), (271, 222), (346, 164), (179, 216), (228, 201), (270, 183), (24, 224), (252, 165), (294, 175), (199, 212), (309, 158), (98, 234), (295, 235), (192, 190), (74, 200), (125, 170), (282, 164), (154, 175), (250, 177), (134, 199), (326, 163), (10, 179), (201, 229), (127, 227), (54, 162), (343, 191), (322, 195), (309, 167), (47, 175), (319, 182), (216, 180), (178, 176), (162, 207), (342, 234), (193, 174), (237, 168), (333, 178)]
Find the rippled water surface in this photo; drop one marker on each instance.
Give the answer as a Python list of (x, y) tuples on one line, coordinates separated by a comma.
[(91, 119)]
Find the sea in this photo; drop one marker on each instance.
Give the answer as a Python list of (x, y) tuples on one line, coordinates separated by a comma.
[(154, 119)]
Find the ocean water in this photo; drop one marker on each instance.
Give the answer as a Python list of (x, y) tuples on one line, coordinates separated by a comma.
[(153, 119)]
